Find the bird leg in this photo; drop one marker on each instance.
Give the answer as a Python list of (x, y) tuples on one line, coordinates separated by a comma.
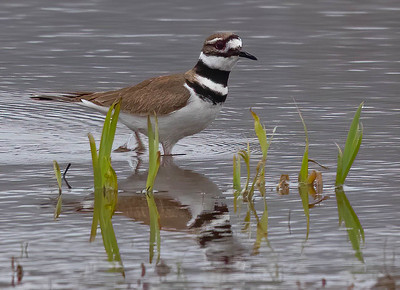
[(140, 148)]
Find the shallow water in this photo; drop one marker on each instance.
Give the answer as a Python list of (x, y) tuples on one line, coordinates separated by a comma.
[(330, 56)]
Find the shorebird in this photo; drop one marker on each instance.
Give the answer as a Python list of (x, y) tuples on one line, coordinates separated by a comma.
[(184, 103)]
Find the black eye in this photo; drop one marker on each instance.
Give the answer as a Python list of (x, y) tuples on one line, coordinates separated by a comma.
[(219, 45)]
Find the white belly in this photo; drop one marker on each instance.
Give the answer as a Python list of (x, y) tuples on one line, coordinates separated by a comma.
[(189, 120)]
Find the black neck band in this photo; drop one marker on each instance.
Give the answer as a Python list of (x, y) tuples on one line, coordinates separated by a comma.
[(206, 94), (215, 75)]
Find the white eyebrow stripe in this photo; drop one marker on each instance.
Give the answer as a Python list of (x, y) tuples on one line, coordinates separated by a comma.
[(206, 82), (214, 40)]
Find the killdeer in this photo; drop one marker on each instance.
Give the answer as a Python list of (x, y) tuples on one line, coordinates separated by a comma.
[(185, 103)]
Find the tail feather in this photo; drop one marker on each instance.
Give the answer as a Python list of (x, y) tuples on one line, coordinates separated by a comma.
[(62, 97)]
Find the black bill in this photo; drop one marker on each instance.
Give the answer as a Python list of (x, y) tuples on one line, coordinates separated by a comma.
[(247, 55)]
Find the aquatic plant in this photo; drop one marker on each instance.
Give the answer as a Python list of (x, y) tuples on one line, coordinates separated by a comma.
[(258, 182), (237, 188), (240, 192), (305, 183), (353, 142), (303, 177), (154, 164), (265, 142), (346, 158), (57, 173), (105, 185), (353, 226)]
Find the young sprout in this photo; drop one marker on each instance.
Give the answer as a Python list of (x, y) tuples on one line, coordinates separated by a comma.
[(154, 164), (303, 177), (346, 158), (353, 143), (105, 186), (258, 182)]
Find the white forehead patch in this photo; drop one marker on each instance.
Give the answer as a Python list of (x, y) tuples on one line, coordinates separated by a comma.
[(234, 43)]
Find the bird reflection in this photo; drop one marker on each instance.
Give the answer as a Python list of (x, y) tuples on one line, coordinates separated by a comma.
[(186, 201)]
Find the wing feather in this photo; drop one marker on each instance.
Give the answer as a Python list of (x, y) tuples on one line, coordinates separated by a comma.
[(161, 95)]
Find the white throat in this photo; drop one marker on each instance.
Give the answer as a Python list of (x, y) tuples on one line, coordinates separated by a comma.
[(219, 62)]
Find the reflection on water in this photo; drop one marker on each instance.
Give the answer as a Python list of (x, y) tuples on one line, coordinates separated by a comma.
[(186, 201), (351, 221), (328, 55)]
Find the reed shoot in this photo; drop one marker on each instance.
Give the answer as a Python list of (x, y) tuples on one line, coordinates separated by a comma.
[(105, 185), (258, 182), (353, 142), (353, 226), (154, 164), (303, 177), (346, 158)]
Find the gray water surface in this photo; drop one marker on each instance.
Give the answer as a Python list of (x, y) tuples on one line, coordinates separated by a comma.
[(329, 56)]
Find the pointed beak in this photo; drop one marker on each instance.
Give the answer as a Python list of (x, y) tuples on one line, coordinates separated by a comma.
[(247, 55)]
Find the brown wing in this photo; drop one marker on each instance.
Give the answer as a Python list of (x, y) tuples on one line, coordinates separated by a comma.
[(161, 95)]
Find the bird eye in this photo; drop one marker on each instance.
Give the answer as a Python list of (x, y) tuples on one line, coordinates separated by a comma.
[(219, 45)]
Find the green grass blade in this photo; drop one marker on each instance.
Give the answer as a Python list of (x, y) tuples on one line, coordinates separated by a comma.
[(262, 230), (57, 173), (353, 135), (351, 148), (264, 144), (257, 182), (349, 159), (154, 153), (97, 187), (154, 164), (236, 181), (106, 186), (150, 134), (156, 137), (303, 175), (261, 134), (303, 191), (109, 128), (250, 192), (109, 240), (108, 134), (246, 158), (154, 226), (339, 170), (105, 232), (114, 121), (260, 183), (246, 225), (264, 219), (353, 226), (236, 174), (111, 190), (57, 211), (104, 141), (115, 108)]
